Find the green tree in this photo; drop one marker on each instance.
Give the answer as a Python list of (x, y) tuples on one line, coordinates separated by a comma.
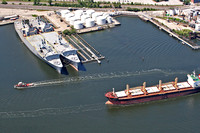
[(117, 5), (38, 2), (186, 2), (35, 2), (50, 2), (4, 2), (66, 32), (69, 32)]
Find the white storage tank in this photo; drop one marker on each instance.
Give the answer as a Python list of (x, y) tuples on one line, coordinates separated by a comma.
[(78, 25), (105, 14), (198, 21), (78, 16), (63, 15), (101, 20), (78, 12), (84, 13), (195, 14), (176, 12), (90, 12), (100, 13), (197, 27), (68, 16), (89, 22), (64, 12), (84, 17), (95, 15), (72, 20), (109, 19), (170, 12)]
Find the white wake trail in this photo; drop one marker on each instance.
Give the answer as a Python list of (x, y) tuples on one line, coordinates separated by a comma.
[(101, 76)]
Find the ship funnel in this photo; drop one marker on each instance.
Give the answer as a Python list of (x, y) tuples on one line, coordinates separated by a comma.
[(160, 84), (176, 81)]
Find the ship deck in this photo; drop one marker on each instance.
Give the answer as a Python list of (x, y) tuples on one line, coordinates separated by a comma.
[(137, 92), (58, 44), (37, 42)]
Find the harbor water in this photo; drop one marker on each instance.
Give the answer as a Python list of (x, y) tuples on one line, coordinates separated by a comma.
[(135, 52)]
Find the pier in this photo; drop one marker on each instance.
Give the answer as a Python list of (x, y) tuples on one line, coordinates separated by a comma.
[(150, 19), (99, 27), (85, 50), (6, 22)]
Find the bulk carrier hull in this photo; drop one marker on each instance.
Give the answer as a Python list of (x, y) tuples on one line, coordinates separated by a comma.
[(143, 94), (151, 97)]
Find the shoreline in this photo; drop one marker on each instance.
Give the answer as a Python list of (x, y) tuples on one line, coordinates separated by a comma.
[(145, 16)]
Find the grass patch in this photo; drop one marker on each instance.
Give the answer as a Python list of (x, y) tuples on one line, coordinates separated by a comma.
[(174, 19), (41, 10), (184, 32), (137, 9), (34, 15)]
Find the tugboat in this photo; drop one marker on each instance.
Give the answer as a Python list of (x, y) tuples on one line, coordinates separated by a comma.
[(22, 85)]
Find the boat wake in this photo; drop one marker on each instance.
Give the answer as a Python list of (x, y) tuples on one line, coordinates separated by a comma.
[(101, 76), (52, 111)]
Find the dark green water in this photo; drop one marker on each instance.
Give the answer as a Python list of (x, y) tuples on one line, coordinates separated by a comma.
[(135, 52)]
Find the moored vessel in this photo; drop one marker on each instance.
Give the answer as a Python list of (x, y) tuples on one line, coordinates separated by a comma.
[(48, 45), (143, 94), (28, 31)]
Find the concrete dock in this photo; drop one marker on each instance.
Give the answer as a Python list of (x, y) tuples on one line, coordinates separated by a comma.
[(99, 27), (161, 27), (85, 50), (6, 22)]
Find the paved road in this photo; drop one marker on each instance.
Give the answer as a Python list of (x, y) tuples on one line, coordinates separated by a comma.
[(29, 5)]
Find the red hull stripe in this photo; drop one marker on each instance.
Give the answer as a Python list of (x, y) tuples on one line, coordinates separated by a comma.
[(151, 98)]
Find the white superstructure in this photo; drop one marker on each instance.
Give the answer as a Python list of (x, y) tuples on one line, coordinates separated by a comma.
[(193, 80)]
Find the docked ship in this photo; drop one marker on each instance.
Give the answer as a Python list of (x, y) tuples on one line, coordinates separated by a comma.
[(48, 45), (68, 54), (143, 94)]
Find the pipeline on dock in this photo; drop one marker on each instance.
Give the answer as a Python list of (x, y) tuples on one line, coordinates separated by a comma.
[(85, 50)]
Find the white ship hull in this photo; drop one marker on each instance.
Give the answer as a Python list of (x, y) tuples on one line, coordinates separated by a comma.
[(35, 52)]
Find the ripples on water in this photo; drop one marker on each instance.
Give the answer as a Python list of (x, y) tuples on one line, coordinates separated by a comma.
[(52, 111), (136, 51), (101, 76)]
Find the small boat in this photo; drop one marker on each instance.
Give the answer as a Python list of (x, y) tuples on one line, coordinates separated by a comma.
[(22, 85)]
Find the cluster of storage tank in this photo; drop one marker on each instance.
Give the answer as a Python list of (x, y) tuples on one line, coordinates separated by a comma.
[(89, 18), (173, 12)]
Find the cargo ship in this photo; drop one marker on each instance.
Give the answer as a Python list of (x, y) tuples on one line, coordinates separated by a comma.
[(143, 94)]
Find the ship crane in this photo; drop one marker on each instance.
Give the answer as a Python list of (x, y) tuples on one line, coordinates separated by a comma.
[(158, 92)]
